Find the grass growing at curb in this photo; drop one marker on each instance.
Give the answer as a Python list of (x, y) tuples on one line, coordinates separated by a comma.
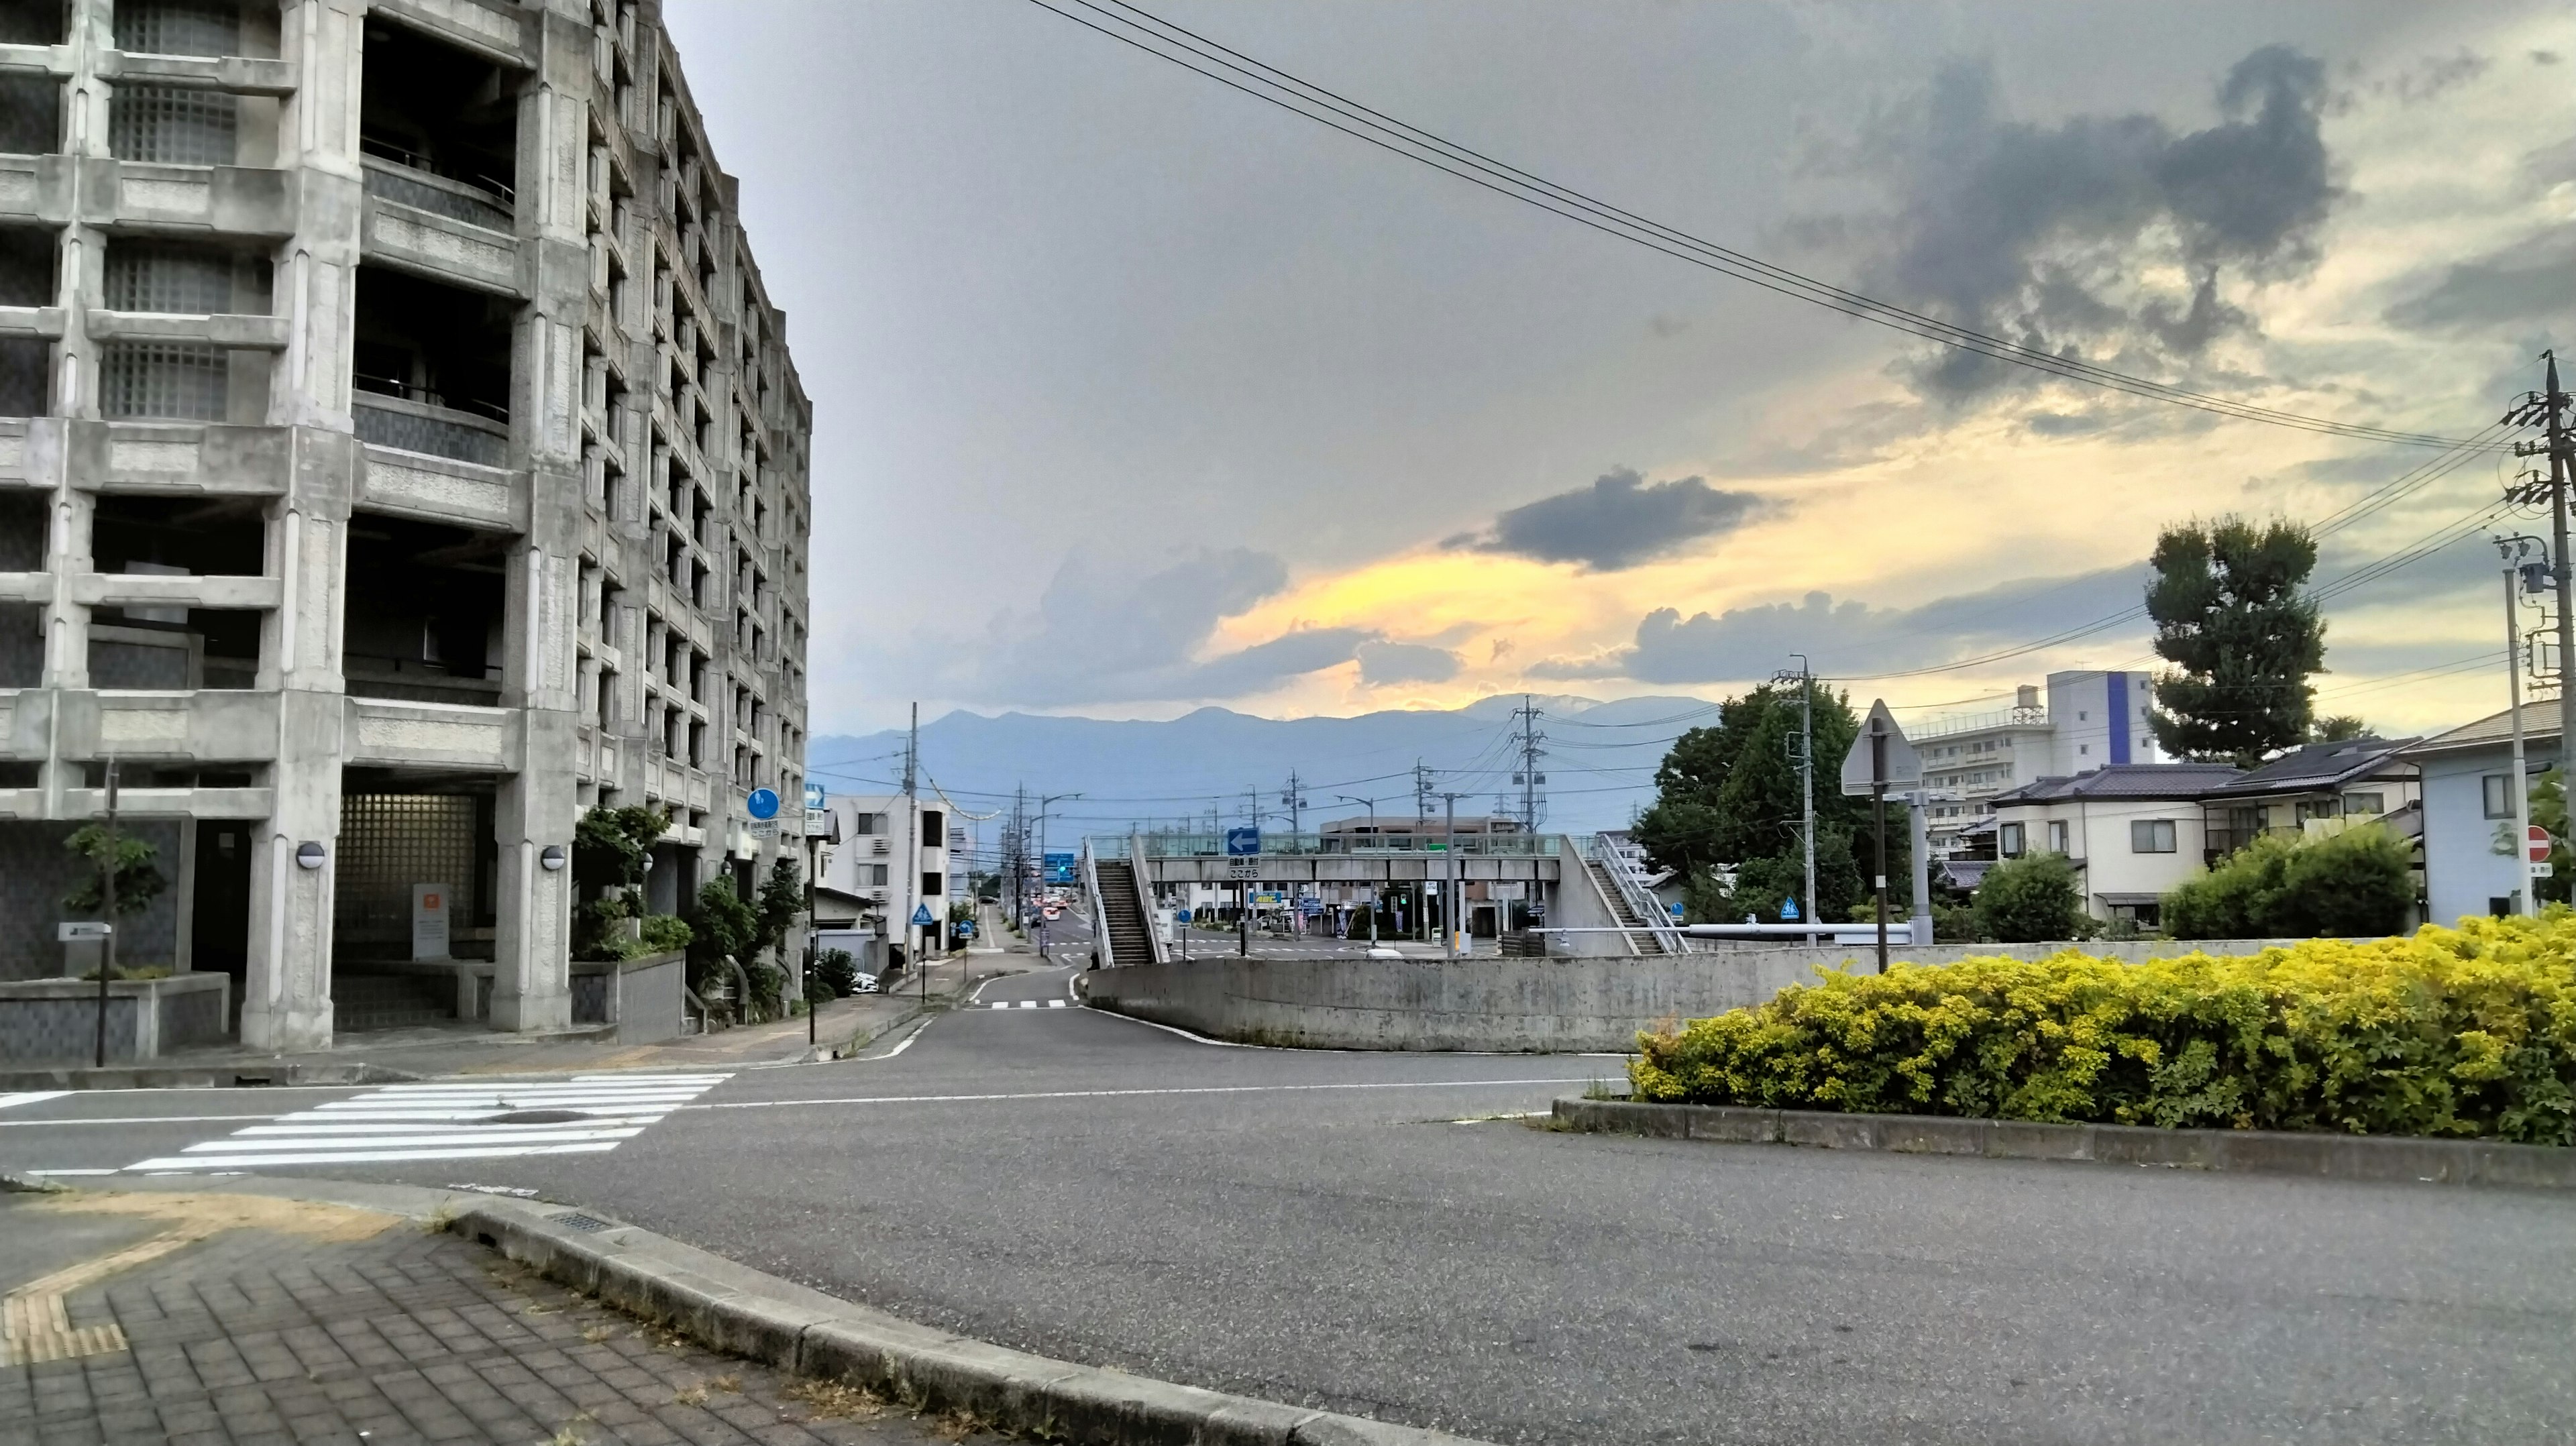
[(2463, 1032)]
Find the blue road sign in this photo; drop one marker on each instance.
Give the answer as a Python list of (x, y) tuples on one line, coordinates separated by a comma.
[(1180, 916), (1242, 842), (921, 916), (1789, 910), (1059, 868), (814, 795), (762, 803), (965, 928)]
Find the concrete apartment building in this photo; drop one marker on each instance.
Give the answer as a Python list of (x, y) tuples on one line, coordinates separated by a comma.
[(398, 454), (871, 890), (2090, 720)]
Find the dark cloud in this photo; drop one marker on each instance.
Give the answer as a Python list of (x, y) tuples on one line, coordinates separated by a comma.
[(2519, 284), (1852, 638), (1618, 522), (1101, 636), (1382, 663), (2038, 233)]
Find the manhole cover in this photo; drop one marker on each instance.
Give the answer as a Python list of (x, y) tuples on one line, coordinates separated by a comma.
[(581, 1222), (536, 1117)]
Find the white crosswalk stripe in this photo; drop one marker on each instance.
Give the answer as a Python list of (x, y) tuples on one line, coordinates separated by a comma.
[(1024, 1004), (586, 1114)]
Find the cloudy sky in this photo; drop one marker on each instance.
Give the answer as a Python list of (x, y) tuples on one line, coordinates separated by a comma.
[(1134, 393)]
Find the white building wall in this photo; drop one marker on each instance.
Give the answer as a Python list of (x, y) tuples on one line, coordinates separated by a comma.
[(2469, 858), (2098, 837), (2086, 734)]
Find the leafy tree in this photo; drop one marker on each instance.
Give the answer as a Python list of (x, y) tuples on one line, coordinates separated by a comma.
[(2232, 618), (2353, 883), (721, 925), (138, 883), (782, 903), (2030, 900), (609, 845), (2340, 728), (1727, 796)]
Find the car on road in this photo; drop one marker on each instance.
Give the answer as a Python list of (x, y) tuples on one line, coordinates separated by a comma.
[(864, 984)]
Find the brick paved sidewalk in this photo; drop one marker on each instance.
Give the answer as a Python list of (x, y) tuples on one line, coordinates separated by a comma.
[(367, 1330)]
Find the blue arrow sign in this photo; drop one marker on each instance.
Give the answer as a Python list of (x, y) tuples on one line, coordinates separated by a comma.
[(762, 803), (1242, 842), (814, 795), (921, 916)]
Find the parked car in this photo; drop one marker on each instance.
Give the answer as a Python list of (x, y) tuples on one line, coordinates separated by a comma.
[(866, 984)]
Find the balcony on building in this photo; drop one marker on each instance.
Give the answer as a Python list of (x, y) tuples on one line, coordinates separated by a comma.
[(431, 368), (438, 128), (423, 612)]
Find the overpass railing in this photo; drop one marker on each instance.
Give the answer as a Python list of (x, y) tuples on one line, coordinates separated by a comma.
[(1626, 870), (1212, 845)]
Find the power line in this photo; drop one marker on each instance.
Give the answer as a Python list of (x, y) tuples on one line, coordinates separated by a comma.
[(1305, 99)]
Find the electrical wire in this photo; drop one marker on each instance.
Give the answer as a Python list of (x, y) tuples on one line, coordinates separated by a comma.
[(1125, 23)]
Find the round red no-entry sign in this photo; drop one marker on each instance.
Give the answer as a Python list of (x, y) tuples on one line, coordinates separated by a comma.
[(2539, 844)]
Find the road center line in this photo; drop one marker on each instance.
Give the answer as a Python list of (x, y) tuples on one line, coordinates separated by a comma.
[(1426, 1084)]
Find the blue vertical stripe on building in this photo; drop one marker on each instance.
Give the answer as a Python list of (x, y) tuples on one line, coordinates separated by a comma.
[(2119, 686)]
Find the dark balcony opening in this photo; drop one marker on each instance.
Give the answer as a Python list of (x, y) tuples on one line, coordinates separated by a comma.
[(423, 619), (432, 368), (23, 513), (174, 647), (440, 127), (27, 256), (193, 536), (22, 645)]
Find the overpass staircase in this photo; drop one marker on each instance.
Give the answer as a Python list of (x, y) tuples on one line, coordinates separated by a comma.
[(1126, 932), (1642, 934)]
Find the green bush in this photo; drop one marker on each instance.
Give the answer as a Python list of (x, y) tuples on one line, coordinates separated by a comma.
[(2032, 900), (2465, 1032), (138, 883), (835, 967), (2347, 885), (665, 932)]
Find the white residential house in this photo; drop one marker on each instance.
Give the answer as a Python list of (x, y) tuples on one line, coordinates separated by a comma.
[(868, 868), (2132, 831), (2472, 862)]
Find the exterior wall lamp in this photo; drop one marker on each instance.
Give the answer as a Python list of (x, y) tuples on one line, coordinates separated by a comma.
[(551, 858), (309, 855)]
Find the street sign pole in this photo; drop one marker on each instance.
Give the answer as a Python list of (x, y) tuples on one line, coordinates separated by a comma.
[(1881, 757), (107, 946)]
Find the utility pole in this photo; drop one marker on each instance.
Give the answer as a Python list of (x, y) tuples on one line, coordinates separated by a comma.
[(107, 946), (912, 847), (2548, 407), (1452, 906), (1530, 777), (1371, 805), (2514, 549), (1806, 681), (1295, 801)]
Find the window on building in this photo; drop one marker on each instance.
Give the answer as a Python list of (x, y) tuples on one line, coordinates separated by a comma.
[(869, 823), (2365, 803), (2499, 794), (2057, 836), (877, 872), (2151, 836), (2008, 840)]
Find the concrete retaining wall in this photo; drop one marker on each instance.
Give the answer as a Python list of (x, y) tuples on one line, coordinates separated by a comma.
[(1536, 1005), (48, 1021)]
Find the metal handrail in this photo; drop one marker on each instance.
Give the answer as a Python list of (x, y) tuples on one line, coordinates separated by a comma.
[(1101, 945), (1627, 873)]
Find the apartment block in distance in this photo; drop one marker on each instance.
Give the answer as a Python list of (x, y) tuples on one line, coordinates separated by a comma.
[(399, 453)]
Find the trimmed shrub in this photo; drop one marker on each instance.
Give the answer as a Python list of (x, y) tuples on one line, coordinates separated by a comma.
[(836, 968), (2462, 1032), (2349, 884), (666, 932), (2032, 900)]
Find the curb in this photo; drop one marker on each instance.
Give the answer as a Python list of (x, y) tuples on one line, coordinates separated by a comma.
[(826, 1053), (201, 1077), (2372, 1158), (740, 1311)]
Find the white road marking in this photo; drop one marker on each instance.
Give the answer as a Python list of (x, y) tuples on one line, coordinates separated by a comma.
[(906, 1043), (450, 1121), (134, 1120), (29, 1097)]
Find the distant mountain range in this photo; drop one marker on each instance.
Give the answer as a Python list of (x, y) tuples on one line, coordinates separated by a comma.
[(1599, 761)]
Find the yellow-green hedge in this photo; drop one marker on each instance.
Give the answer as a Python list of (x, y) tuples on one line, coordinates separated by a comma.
[(2466, 1031)]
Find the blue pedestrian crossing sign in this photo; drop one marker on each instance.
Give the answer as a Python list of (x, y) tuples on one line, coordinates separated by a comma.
[(1789, 910), (921, 916)]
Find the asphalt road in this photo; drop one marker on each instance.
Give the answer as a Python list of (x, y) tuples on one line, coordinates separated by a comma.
[(1336, 1229)]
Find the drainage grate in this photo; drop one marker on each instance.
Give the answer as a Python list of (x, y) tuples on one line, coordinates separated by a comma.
[(579, 1221)]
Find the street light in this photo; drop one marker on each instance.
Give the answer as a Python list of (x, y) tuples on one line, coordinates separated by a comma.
[(1045, 802), (1371, 805)]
